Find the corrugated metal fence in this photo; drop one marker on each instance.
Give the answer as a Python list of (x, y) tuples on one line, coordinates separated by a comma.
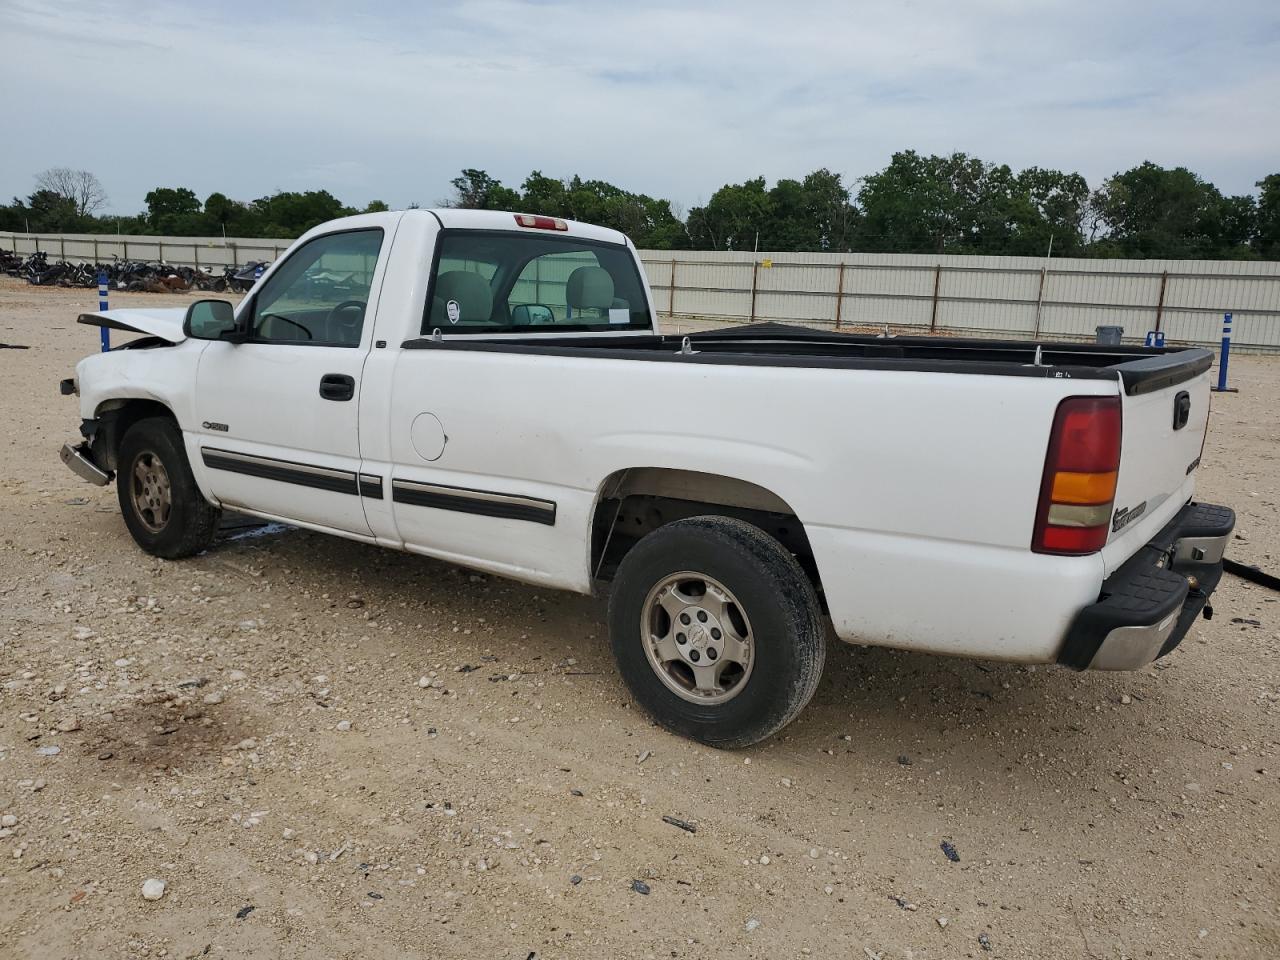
[(206, 252), (985, 296)]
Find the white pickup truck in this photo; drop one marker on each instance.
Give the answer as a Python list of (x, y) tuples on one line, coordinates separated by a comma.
[(492, 389)]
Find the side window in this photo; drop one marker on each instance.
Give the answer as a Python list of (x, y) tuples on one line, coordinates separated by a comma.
[(320, 293), (544, 282)]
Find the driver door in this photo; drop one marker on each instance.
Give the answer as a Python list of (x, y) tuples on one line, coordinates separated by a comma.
[(277, 414)]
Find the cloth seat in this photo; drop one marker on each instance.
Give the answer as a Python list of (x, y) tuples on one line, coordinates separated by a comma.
[(470, 291), (589, 294)]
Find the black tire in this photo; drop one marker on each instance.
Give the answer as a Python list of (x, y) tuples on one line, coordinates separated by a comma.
[(189, 524), (778, 600)]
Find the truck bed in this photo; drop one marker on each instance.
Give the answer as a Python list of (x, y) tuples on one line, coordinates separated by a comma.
[(1139, 369)]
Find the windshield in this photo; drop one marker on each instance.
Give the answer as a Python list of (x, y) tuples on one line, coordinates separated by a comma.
[(506, 282)]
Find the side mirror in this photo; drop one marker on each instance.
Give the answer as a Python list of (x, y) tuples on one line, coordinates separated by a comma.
[(209, 320), (531, 314)]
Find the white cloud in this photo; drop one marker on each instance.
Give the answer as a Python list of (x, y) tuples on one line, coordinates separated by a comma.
[(668, 98)]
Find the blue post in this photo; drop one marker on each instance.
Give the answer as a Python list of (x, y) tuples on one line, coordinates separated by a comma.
[(102, 307), (1226, 352)]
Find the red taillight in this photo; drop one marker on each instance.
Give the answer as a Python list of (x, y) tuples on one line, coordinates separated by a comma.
[(540, 223), (1080, 472)]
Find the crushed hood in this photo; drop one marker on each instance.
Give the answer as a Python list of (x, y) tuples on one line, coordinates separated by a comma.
[(163, 323)]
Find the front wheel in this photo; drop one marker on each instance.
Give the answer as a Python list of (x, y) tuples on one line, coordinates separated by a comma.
[(717, 631), (163, 508)]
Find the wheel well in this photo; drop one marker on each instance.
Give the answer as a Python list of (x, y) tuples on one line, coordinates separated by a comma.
[(114, 418), (639, 500)]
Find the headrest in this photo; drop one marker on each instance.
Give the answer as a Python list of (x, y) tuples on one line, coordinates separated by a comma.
[(468, 290), (590, 287)]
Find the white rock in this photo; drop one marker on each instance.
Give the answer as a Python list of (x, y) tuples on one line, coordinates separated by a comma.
[(1126, 699), (8, 820), (49, 751), (153, 889), (68, 725), (344, 725), (943, 921), (215, 697), (764, 861), (424, 682), (235, 676), (752, 924)]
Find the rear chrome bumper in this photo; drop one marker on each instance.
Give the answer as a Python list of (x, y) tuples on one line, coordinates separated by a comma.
[(1147, 606), (78, 459)]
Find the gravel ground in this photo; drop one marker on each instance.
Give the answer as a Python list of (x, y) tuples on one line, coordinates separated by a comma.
[(325, 749)]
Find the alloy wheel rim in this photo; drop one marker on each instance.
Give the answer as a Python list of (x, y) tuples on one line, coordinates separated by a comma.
[(150, 491), (697, 638)]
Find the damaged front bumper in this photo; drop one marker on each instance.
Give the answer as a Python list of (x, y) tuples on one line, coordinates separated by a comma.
[(79, 460)]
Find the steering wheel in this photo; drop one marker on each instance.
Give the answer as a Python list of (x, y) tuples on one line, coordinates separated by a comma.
[(292, 323), (348, 326)]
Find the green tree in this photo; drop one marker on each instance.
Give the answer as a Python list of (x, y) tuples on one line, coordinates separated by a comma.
[(1150, 211), (173, 210), (290, 213), (51, 212), (1267, 238), (476, 190), (733, 218), (543, 195), (918, 203), (1059, 204)]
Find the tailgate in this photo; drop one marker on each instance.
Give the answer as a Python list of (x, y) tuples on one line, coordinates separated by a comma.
[(1164, 418)]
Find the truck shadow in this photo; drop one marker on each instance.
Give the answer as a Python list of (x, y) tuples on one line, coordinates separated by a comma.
[(872, 701)]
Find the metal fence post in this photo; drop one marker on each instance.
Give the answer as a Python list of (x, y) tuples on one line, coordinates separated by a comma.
[(839, 293), (937, 282), (1164, 282), (671, 292), (1035, 332), (755, 273)]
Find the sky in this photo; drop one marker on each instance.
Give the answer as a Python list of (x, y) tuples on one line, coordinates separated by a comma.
[(668, 98)]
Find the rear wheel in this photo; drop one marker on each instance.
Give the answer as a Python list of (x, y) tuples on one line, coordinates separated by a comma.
[(163, 508), (716, 630)]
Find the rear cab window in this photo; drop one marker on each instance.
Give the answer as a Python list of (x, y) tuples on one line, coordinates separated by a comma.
[(516, 282)]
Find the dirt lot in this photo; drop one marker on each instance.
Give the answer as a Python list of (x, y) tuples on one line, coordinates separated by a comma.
[(328, 750)]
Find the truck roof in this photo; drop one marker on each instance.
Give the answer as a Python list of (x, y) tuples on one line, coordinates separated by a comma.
[(457, 219)]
